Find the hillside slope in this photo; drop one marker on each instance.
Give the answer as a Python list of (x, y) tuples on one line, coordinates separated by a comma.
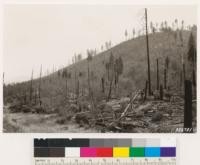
[(133, 54)]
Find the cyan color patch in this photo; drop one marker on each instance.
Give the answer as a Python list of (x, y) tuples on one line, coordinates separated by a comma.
[(152, 151)]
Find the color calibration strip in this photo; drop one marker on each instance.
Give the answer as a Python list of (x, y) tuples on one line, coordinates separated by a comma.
[(105, 148)]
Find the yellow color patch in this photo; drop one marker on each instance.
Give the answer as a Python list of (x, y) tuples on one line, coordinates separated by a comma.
[(121, 152)]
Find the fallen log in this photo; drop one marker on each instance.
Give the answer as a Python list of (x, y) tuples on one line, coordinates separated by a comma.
[(126, 109)]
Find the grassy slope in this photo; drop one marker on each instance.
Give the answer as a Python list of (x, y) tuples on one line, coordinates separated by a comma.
[(133, 53)]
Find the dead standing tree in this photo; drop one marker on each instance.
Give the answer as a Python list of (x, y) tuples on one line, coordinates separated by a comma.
[(158, 78), (75, 74), (102, 85), (31, 87), (114, 68), (182, 56), (40, 81), (166, 72), (192, 52), (80, 86), (89, 59), (68, 77), (148, 59), (126, 34), (77, 87), (118, 70), (188, 107), (108, 70), (3, 87), (3, 78), (35, 96), (112, 73), (90, 91)]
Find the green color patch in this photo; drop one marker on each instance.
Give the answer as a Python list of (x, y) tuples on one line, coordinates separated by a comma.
[(137, 152)]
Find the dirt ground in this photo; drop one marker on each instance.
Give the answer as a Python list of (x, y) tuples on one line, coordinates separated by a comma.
[(148, 117), (38, 123)]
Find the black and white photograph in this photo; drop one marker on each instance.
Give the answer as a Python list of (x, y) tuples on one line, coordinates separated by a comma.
[(71, 68)]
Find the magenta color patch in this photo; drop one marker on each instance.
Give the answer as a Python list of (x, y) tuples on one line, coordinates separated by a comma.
[(87, 152)]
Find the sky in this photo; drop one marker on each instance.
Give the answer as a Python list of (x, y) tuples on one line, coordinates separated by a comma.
[(49, 35)]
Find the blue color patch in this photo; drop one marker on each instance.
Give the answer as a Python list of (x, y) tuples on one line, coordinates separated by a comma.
[(152, 151)]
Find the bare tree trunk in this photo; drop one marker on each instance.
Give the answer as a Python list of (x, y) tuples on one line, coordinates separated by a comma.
[(102, 85), (110, 90), (145, 90), (194, 79), (40, 84), (66, 88), (161, 92), (194, 73), (158, 78), (148, 59), (3, 89), (165, 78), (75, 82), (181, 79), (115, 83), (35, 96), (188, 105), (25, 98), (89, 87), (108, 74), (3, 78), (184, 75), (31, 88), (77, 88)]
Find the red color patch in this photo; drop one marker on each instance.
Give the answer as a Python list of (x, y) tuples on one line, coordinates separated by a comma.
[(104, 152)]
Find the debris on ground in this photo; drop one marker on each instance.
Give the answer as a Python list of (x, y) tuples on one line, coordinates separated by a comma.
[(125, 114)]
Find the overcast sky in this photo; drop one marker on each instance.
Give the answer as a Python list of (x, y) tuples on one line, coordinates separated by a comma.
[(51, 34)]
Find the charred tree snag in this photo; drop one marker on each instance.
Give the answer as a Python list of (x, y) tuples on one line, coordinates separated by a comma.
[(145, 90), (40, 81), (102, 85), (148, 59), (161, 92), (184, 78), (158, 78), (35, 96), (188, 106), (110, 90), (112, 74), (25, 98), (77, 89), (66, 87), (31, 88), (165, 79)]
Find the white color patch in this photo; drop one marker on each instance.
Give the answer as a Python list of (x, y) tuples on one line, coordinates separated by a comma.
[(72, 152)]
